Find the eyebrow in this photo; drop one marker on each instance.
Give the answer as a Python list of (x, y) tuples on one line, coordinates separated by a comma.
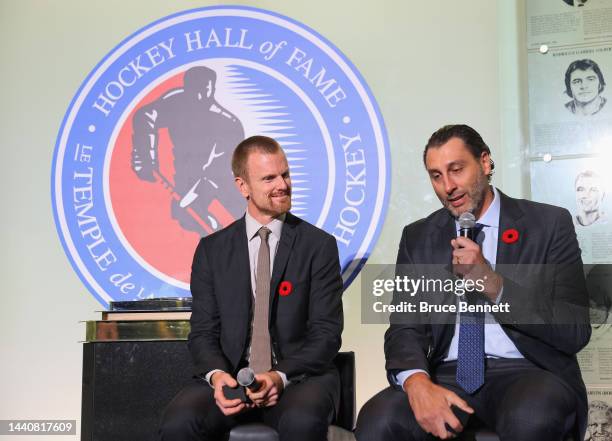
[(449, 165), (272, 175), (587, 77)]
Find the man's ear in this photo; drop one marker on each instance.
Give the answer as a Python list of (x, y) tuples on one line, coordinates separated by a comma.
[(485, 162), (243, 186)]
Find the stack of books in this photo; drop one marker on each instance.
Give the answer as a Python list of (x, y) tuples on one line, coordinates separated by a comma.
[(142, 320), (168, 308)]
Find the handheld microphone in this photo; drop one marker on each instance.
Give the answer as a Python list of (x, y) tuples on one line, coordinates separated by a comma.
[(246, 378), (467, 222)]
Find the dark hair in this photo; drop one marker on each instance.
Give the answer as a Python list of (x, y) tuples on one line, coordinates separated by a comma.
[(585, 64), (257, 143), (468, 135)]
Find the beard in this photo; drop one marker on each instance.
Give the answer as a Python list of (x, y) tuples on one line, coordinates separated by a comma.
[(476, 195), (272, 207), (280, 207)]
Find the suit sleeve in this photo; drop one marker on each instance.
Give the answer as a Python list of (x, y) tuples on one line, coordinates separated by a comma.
[(406, 344), (553, 308), (325, 317), (205, 320)]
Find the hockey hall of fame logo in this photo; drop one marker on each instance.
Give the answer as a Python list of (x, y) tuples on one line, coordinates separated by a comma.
[(141, 168)]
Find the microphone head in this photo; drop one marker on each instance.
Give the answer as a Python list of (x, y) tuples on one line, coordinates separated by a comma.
[(466, 220), (245, 377)]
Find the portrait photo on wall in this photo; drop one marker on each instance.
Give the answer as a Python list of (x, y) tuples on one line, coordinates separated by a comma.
[(600, 415), (584, 84), (582, 187), (569, 111)]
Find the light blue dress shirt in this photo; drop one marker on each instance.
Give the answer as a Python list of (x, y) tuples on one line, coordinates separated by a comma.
[(497, 343)]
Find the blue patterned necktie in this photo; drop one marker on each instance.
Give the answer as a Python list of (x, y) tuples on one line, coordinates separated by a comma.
[(470, 353)]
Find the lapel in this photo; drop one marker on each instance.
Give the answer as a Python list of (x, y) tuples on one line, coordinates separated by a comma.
[(285, 246), (242, 272), (508, 255), (511, 216), (442, 252)]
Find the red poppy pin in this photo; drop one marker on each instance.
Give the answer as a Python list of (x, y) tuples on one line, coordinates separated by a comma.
[(285, 288), (510, 235)]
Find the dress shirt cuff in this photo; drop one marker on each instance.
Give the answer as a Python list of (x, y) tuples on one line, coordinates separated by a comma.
[(209, 375), (401, 377), (499, 296), (283, 376)]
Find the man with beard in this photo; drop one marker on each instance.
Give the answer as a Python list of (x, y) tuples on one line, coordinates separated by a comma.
[(589, 198), (267, 295), (518, 378)]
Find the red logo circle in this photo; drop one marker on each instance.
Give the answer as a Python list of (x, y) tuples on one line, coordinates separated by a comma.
[(171, 252), (510, 235), (285, 288)]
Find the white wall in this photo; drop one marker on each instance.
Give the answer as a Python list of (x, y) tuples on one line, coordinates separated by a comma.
[(428, 63)]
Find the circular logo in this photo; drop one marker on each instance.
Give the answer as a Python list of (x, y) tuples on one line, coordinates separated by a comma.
[(141, 168)]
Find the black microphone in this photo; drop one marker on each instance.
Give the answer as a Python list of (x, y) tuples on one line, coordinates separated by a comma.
[(467, 222), (246, 378)]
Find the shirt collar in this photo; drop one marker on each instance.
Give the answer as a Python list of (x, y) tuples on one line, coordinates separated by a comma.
[(490, 218), (275, 226)]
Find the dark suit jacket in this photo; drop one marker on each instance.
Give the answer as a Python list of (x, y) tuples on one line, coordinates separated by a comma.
[(546, 236), (305, 326)]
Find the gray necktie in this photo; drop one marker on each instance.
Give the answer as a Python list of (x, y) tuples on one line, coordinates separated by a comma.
[(261, 354)]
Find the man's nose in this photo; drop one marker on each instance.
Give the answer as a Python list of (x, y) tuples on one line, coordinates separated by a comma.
[(449, 185)]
